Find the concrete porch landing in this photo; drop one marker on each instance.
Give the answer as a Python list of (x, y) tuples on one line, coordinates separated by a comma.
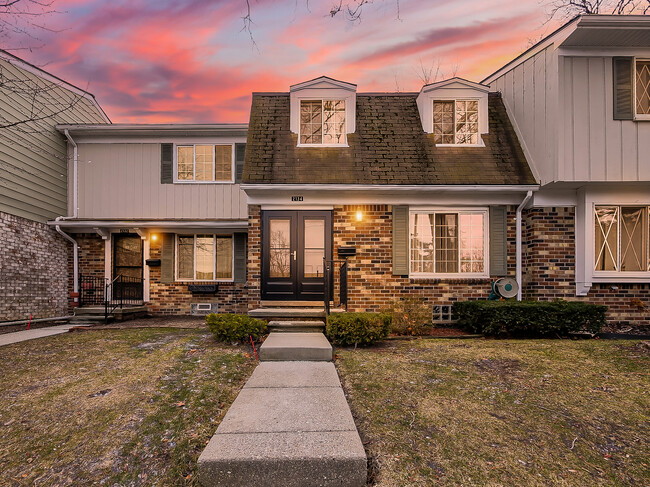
[(290, 426)]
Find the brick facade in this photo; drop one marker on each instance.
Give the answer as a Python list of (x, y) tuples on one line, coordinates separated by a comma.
[(549, 269), (176, 299), (33, 270)]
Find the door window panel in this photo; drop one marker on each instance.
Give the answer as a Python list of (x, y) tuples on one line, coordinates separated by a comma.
[(280, 248), (314, 248)]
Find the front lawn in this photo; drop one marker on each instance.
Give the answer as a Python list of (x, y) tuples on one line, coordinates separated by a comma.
[(114, 407), (502, 412)]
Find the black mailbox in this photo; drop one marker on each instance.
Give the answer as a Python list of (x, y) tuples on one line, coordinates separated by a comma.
[(153, 262), (346, 251)]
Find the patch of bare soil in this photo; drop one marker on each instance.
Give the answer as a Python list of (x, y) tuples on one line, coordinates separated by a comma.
[(439, 332)]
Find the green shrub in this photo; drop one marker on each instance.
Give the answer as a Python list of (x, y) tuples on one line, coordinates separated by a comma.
[(231, 327), (357, 328), (410, 315), (529, 318)]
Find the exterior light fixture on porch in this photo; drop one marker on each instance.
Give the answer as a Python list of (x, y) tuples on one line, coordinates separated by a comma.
[(154, 237), (359, 215)]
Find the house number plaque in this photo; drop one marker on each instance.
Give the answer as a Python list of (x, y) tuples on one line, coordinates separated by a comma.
[(296, 198)]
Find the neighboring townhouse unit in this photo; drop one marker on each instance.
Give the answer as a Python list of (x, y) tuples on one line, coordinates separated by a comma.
[(158, 215), (580, 103), (33, 187), (419, 190)]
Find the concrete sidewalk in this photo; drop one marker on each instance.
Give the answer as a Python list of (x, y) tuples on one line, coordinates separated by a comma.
[(21, 336), (289, 426)]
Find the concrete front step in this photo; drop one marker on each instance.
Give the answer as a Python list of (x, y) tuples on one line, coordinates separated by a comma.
[(295, 346), (314, 326), (291, 313), (290, 426), (292, 304)]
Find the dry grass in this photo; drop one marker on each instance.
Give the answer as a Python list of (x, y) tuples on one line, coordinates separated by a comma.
[(496, 413), (113, 407)]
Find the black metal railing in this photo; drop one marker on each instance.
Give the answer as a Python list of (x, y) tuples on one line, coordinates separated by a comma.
[(121, 291), (328, 283), (92, 291)]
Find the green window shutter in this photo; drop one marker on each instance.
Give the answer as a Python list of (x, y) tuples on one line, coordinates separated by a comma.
[(623, 69), (167, 258), (240, 152), (400, 240), (239, 248), (498, 241), (166, 163)]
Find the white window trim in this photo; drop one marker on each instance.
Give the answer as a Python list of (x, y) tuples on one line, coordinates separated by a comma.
[(478, 124), (618, 276), (640, 117), (457, 275), (192, 181), (214, 267), (345, 124)]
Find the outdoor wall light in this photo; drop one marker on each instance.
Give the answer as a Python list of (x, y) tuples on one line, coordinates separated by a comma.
[(359, 215), (154, 237)]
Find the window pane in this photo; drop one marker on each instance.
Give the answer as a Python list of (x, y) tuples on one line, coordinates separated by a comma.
[(185, 159), (314, 248), (333, 121), (279, 248), (186, 257), (203, 163), (204, 257), (471, 243), (443, 122), (446, 242), (466, 122), (606, 233), (223, 163), (422, 231), (643, 87), (311, 122), (224, 257), (633, 244)]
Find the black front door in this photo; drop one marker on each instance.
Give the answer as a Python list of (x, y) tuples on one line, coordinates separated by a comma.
[(127, 266), (294, 244)]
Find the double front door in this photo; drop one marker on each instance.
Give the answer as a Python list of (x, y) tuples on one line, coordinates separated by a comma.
[(294, 246)]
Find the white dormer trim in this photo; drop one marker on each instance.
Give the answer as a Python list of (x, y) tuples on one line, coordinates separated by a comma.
[(454, 89), (323, 88)]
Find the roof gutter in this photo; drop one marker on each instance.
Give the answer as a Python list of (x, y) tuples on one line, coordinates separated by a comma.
[(497, 188), (523, 204)]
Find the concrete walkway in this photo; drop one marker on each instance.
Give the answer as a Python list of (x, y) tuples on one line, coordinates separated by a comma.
[(289, 426), (21, 336)]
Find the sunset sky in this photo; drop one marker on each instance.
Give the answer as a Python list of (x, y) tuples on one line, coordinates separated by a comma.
[(152, 61)]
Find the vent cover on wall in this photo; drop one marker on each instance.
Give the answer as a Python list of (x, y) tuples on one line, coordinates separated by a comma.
[(202, 309)]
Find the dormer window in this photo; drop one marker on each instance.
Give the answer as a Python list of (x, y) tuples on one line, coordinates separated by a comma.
[(455, 122), (322, 122)]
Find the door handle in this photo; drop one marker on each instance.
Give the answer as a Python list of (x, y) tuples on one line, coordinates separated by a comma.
[(294, 254)]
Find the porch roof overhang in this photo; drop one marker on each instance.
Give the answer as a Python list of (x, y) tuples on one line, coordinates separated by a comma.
[(103, 226), (345, 194)]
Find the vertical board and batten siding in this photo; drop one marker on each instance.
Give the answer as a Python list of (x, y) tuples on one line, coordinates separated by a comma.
[(33, 159), (124, 181), (530, 93), (596, 146)]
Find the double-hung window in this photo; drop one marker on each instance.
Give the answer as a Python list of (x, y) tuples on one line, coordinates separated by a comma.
[(642, 88), (322, 122), (203, 257), (455, 122), (448, 243), (621, 238), (204, 163)]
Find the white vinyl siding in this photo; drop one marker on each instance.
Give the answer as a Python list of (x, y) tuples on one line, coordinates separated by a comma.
[(122, 181)]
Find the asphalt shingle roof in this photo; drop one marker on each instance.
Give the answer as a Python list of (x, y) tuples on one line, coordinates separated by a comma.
[(388, 147)]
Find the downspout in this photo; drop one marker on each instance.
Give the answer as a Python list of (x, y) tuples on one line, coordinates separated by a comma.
[(75, 257), (529, 195), (75, 160)]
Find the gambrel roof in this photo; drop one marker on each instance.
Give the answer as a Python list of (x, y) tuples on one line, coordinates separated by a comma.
[(389, 147)]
